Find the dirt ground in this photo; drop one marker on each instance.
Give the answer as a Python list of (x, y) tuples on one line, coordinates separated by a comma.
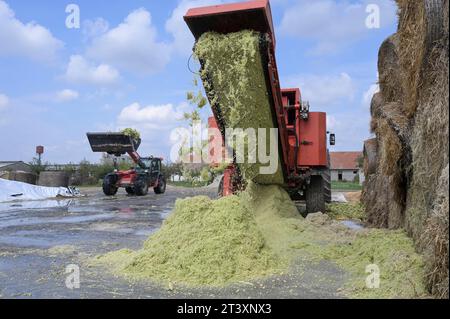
[(353, 197), (38, 240)]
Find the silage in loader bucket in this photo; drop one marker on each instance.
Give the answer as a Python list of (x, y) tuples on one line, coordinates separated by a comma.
[(113, 143)]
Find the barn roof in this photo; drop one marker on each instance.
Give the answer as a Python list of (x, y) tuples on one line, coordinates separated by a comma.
[(344, 160)]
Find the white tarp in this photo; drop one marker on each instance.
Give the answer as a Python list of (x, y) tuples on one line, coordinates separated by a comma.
[(338, 198), (12, 190)]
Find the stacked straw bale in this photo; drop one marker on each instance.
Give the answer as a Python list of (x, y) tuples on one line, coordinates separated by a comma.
[(407, 179)]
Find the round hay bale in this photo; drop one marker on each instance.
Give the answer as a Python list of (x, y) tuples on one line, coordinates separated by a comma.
[(54, 179), (421, 29), (412, 49), (435, 238), (389, 70), (376, 105), (434, 21), (370, 157), (446, 22), (393, 114), (390, 149)]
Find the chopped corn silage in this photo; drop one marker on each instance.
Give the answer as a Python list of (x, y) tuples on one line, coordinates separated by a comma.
[(233, 76), (259, 233), (203, 242)]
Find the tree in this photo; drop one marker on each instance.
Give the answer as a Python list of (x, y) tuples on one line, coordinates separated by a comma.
[(36, 166)]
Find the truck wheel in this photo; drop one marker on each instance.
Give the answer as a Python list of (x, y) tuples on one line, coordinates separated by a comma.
[(129, 190), (161, 188), (327, 185), (220, 189), (315, 195), (141, 187), (109, 185), (327, 179)]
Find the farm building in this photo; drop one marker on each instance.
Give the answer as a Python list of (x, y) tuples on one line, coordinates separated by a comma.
[(345, 166), (14, 166), (17, 171)]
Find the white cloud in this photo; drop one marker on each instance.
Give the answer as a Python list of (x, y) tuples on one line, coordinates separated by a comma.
[(332, 122), (66, 95), (175, 25), (351, 130), (95, 28), (150, 117), (324, 90), (80, 71), (132, 45), (4, 101), (333, 24), (367, 96), (29, 40)]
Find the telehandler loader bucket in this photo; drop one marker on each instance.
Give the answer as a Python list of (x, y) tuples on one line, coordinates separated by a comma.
[(113, 143)]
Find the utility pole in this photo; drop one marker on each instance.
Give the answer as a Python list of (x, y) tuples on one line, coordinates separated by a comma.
[(39, 152)]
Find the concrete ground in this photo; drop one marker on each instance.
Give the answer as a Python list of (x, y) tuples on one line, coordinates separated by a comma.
[(38, 240)]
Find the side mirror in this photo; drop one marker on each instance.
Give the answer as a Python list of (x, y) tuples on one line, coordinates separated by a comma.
[(332, 139)]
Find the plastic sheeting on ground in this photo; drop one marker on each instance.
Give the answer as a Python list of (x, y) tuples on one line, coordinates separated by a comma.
[(338, 198), (12, 190)]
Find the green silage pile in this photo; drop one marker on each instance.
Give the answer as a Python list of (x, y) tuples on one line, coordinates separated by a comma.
[(259, 233), (203, 242), (233, 77)]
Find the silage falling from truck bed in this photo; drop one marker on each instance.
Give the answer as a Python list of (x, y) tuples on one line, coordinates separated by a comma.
[(233, 76)]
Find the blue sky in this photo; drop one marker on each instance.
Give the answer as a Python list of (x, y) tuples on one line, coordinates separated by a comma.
[(126, 66)]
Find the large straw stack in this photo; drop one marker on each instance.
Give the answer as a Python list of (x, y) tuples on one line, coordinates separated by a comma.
[(409, 186)]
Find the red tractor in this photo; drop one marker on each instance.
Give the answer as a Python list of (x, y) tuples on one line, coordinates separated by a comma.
[(136, 181), (302, 134)]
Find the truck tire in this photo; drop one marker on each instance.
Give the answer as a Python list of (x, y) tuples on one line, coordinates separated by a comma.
[(315, 195), (327, 179), (109, 185), (327, 185), (141, 187), (161, 188), (220, 189), (129, 190)]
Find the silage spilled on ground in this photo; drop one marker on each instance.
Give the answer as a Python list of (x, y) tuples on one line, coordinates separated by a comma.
[(205, 242), (259, 233)]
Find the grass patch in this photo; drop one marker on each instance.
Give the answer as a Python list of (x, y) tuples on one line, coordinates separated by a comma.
[(335, 185)]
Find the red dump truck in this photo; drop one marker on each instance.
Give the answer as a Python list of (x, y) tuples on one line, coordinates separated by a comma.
[(302, 134)]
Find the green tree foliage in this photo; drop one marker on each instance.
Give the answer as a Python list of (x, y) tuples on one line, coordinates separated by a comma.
[(36, 166)]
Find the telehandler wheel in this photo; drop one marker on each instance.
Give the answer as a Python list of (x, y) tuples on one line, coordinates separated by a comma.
[(161, 188), (315, 195), (141, 187), (109, 185), (129, 190)]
